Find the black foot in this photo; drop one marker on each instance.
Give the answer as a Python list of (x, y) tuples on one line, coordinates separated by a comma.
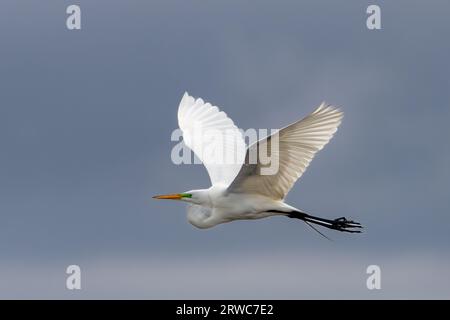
[(344, 225)]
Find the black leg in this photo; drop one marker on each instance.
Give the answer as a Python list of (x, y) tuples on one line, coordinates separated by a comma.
[(339, 224)]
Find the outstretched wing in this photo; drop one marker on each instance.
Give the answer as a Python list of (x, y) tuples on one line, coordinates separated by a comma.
[(213, 137), (291, 148)]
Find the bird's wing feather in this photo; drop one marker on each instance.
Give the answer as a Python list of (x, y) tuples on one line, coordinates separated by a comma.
[(297, 145), (213, 137)]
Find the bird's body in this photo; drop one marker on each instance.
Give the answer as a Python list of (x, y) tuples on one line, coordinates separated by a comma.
[(250, 186), (222, 206)]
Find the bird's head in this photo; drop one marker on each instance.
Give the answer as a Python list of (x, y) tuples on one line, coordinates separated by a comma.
[(192, 196)]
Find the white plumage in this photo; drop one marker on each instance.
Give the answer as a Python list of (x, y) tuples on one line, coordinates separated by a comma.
[(297, 145), (244, 184), (206, 127)]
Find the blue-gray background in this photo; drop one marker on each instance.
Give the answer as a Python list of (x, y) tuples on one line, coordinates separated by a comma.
[(85, 124)]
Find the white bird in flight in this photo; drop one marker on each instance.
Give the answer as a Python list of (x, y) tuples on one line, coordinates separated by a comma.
[(241, 189)]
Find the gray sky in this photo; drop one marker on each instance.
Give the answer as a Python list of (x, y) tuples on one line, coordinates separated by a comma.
[(85, 124)]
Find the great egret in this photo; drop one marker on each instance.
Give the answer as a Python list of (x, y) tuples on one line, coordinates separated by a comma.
[(240, 189)]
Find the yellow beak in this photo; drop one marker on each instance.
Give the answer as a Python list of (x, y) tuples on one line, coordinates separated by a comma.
[(175, 196)]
